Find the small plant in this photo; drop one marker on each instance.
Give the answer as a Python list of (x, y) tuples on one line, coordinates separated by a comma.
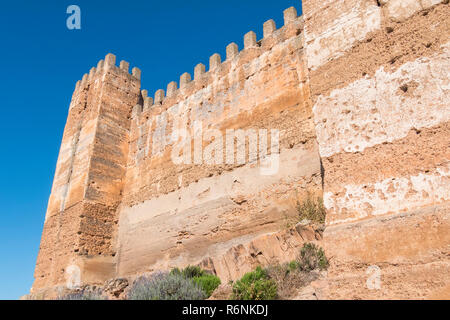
[(290, 221), (166, 286), (289, 279), (255, 285), (311, 258), (208, 283), (293, 265), (312, 209), (176, 271)]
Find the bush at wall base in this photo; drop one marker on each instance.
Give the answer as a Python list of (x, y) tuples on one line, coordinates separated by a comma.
[(165, 286)]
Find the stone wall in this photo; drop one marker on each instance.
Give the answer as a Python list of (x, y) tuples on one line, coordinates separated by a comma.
[(81, 219), (121, 205), (379, 78), (351, 100), (197, 211)]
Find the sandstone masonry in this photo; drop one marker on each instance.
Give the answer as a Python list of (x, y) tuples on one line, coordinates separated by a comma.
[(359, 91)]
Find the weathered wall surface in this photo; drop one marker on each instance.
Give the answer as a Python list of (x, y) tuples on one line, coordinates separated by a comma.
[(81, 219), (352, 100), (121, 205), (178, 214), (379, 76)]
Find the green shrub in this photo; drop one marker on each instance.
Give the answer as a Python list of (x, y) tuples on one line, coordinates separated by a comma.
[(312, 209), (312, 257), (165, 286), (293, 265), (208, 283), (255, 285)]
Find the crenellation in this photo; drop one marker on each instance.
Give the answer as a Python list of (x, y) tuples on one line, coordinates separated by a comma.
[(110, 60), (232, 51), (100, 65), (185, 79), (137, 110), (290, 15), (92, 73), (199, 70), (214, 61), (269, 28), (87, 78), (125, 66), (172, 87), (159, 96), (136, 72), (148, 102), (250, 40), (84, 80), (144, 93)]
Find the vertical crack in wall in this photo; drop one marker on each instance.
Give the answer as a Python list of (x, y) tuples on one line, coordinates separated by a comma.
[(75, 141)]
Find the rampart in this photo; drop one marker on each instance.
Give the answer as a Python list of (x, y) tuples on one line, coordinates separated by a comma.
[(350, 100)]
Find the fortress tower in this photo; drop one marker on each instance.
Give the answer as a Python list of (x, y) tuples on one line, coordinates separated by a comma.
[(359, 93), (81, 219)]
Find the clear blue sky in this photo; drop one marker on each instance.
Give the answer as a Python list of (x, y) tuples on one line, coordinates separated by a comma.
[(41, 60)]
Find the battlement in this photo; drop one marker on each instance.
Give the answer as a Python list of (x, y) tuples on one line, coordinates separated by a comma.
[(293, 25), (103, 66)]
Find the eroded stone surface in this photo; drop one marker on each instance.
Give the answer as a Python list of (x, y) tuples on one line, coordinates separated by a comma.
[(359, 91), (381, 114)]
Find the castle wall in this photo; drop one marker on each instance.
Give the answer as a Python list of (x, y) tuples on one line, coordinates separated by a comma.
[(379, 78), (81, 219), (175, 214), (351, 100)]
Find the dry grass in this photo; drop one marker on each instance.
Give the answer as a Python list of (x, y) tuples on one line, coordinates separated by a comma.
[(299, 273), (289, 280), (312, 209)]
